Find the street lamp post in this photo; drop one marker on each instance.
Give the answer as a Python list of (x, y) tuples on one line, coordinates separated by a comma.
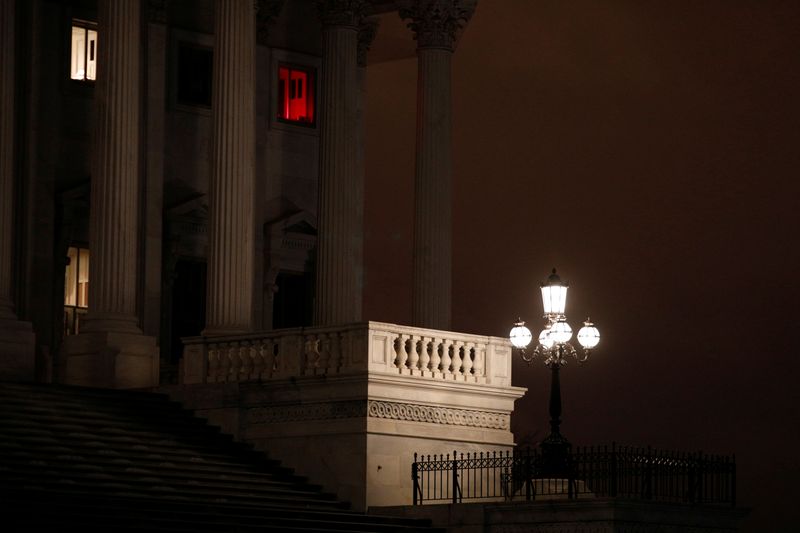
[(553, 347)]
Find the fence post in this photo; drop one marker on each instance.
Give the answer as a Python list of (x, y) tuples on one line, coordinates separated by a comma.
[(613, 467), (456, 489), (570, 474), (733, 481), (415, 485), (528, 476), (700, 477), (648, 475)]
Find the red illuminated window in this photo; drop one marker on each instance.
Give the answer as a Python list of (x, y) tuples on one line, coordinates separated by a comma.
[(296, 94)]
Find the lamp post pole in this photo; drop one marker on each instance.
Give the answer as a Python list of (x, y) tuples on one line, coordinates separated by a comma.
[(554, 346)]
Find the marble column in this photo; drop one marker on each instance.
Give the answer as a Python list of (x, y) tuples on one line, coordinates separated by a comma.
[(339, 227), (111, 349), (16, 337), (366, 34), (435, 24), (155, 116), (6, 156), (231, 255)]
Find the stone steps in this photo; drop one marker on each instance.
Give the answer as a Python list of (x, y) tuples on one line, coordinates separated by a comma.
[(74, 458)]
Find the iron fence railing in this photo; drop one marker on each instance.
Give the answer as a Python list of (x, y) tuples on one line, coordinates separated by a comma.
[(606, 471)]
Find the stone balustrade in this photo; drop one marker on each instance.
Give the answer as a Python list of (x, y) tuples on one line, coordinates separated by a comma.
[(370, 347)]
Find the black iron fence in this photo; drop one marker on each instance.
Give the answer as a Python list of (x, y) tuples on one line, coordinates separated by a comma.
[(607, 471)]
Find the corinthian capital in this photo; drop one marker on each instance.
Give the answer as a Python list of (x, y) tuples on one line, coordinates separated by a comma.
[(341, 12), (266, 12), (157, 11), (436, 23), (366, 34)]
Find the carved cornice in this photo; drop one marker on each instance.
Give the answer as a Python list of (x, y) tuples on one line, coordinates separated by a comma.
[(379, 409), (157, 11), (436, 23), (266, 12), (366, 34), (604, 526), (311, 411), (438, 415), (348, 13)]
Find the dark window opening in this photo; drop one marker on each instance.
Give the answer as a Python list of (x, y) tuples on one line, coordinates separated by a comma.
[(296, 95), (293, 304), (194, 75), (188, 304)]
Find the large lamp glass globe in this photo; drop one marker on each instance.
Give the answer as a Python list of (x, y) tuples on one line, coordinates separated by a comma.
[(588, 336), (561, 332), (554, 295), (520, 336)]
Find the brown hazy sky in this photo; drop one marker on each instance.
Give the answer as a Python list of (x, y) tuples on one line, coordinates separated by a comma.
[(649, 150)]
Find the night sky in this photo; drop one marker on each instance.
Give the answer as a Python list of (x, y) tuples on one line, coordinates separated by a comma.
[(649, 151)]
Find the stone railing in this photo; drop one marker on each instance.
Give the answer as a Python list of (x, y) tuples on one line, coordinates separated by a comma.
[(372, 347)]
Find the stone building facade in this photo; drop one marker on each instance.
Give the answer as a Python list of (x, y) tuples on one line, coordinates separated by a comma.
[(170, 168), (182, 207)]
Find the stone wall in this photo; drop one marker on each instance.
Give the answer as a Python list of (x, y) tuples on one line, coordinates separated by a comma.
[(577, 516)]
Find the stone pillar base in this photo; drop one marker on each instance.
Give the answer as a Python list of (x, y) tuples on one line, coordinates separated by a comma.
[(17, 350), (110, 359)]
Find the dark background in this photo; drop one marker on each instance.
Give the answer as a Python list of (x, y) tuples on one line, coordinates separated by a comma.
[(649, 150)]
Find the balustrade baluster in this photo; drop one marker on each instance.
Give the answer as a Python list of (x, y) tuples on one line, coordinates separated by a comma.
[(446, 359), (467, 361), (413, 355), (436, 357), (457, 362), (425, 347), (225, 361), (402, 353), (479, 367), (311, 354), (275, 355), (335, 352), (213, 363), (347, 356), (236, 362), (258, 359), (246, 355), (321, 366)]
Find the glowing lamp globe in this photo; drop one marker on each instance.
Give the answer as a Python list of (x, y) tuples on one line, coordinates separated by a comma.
[(520, 336), (561, 332), (554, 295), (588, 336), (545, 339)]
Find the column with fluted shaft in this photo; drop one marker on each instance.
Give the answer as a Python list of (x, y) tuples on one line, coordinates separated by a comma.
[(6, 156), (110, 349), (114, 208), (231, 257), (16, 337), (339, 242), (435, 24), (366, 34)]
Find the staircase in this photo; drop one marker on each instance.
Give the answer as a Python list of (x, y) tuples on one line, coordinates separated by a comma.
[(80, 459)]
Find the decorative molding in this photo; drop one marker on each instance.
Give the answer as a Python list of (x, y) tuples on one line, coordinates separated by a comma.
[(606, 526), (366, 34), (157, 11), (348, 13), (304, 412), (378, 409), (436, 23), (266, 13), (438, 415)]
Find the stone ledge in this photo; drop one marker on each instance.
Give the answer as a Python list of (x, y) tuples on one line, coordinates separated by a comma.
[(601, 515)]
